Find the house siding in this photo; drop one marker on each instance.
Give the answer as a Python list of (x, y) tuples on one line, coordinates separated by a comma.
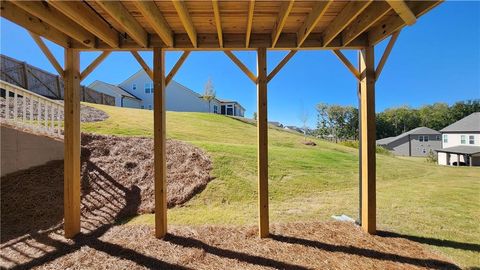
[(412, 146), (454, 139), (102, 89)]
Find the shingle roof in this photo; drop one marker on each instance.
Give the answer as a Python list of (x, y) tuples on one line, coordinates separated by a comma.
[(415, 131), (114, 88), (470, 123), (461, 149)]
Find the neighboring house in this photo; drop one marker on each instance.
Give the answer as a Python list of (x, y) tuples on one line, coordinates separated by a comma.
[(418, 142), (461, 142), (177, 97), (122, 97)]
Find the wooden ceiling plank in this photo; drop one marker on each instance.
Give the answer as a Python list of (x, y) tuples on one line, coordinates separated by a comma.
[(251, 8), (369, 17), (47, 53), (121, 15), (83, 15), (142, 63), (403, 11), (311, 21), (18, 16), (285, 9), (94, 65), (343, 19), (218, 22), (157, 21), (186, 20), (55, 18)]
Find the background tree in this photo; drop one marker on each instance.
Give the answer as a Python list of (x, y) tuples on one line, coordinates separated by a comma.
[(339, 121), (303, 116), (209, 93), (254, 115)]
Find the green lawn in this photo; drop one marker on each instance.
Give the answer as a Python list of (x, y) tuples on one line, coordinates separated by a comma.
[(439, 204)]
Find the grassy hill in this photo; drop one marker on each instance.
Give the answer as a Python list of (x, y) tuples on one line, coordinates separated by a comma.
[(425, 202)]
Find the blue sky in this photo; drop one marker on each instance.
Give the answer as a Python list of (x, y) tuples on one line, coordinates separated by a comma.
[(435, 60)]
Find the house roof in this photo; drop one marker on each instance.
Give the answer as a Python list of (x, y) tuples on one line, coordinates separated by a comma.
[(415, 131), (469, 123), (461, 149), (230, 101), (114, 88)]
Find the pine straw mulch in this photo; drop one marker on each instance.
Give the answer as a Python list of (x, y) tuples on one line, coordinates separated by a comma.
[(315, 245), (117, 183)]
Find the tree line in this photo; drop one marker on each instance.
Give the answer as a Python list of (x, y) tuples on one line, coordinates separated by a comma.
[(341, 122)]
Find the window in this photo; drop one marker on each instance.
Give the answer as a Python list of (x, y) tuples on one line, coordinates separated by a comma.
[(134, 86), (438, 138), (471, 139), (463, 139), (445, 138), (425, 138), (149, 107), (420, 138), (143, 107), (215, 109), (148, 87)]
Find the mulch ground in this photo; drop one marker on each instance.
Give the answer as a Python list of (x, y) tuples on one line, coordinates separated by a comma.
[(329, 245)]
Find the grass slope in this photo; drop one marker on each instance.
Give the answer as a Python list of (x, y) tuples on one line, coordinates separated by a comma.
[(425, 202)]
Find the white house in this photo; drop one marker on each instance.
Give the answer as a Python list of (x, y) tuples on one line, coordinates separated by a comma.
[(177, 97), (461, 142)]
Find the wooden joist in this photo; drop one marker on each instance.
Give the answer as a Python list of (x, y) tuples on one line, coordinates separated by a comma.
[(218, 22), (56, 19), (142, 63), (121, 15), (176, 67), (347, 63), (343, 19), (94, 65), (159, 140), (251, 8), (154, 17), (312, 21), (403, 11), (241, 66), (285, 9), (372, 14), (186, 20), (79, 12), (385, 55), (47, 53), (262, 147), (280, 65), (72, 143)]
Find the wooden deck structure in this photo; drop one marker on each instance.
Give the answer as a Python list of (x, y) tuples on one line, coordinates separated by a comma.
[(161, 26)]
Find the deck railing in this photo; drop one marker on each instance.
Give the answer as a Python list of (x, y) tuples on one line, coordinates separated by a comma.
[(27, 110)]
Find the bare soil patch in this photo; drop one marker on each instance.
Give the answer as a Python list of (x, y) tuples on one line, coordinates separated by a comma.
[(329, 245)]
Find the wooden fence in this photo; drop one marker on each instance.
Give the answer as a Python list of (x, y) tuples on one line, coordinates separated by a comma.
[(44, 83)]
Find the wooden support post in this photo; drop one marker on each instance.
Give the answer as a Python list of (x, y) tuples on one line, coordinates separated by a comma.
[(159, 136), (262, 133), (72, 143), (458, 160), (367, 115), (25, 75)]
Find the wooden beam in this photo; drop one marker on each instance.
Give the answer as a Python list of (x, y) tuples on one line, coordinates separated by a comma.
[(280, 65), (159, 138), (311, 21), (394, 23), (285, 9), (241, 66), (47, 53), (343, 19), (18, 16), (403, 11), (367, 129), (385, 55), (72, 143), (218, 22), (176, 67), (94, 65), (55, 18), (154, 17), (186, 20), (143, 64), (347, 63), (86, 17), (251, 8), (262, 136), (121, 15), (372, 14)]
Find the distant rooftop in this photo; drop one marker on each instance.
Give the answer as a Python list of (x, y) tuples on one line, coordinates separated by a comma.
[(461, 149), (470, 123), (415, 131)]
